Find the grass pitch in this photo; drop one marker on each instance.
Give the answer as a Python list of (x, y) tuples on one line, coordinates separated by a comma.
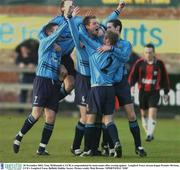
[(165, 148)]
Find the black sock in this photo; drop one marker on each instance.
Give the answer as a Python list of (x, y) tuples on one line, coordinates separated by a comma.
[(106, 138), (46, 134), (113, 133), (63, 92), (88, 136), (28, 124), (97, 136), (79, 133), (134, 128)]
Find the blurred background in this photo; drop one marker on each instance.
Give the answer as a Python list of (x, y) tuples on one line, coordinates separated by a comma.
[(144, 21)]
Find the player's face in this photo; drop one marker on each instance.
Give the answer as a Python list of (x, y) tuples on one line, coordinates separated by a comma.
[(149, 53), (53, 29), (93, 27), (111, 27)]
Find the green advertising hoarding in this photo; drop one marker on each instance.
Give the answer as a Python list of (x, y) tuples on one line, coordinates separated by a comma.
[(162, 33)]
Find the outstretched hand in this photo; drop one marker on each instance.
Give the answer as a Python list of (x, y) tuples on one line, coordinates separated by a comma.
[(75, 11), (121, 5)]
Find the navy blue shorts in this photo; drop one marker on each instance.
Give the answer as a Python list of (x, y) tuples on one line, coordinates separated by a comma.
[(123, 93), (148, 99), (68, 62), (82, 89), (101, 100), (46, 93)]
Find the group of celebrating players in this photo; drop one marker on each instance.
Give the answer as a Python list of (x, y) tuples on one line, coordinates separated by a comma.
[(100, 75)]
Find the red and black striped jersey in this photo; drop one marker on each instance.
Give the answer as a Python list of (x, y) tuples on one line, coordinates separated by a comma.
[(150, 77)]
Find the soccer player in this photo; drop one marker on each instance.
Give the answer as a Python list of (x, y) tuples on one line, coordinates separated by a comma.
[(151, 75), (102, 67), (91, 28), (46, 87), (122, 91), (67, 45)]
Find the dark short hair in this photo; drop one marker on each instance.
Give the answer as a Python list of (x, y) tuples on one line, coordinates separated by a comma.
[(112, 36), (62, 3), (87, 19), (116, 23), (49, 26), (150, 45)]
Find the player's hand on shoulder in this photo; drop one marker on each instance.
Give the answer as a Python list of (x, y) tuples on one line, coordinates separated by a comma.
[(104, 48)]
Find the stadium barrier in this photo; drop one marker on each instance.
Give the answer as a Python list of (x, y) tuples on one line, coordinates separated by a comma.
[(172, 107), (15, 87)]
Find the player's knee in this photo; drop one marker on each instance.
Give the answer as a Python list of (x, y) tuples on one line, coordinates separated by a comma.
[(83, 119), (132, 117), (90, 118), (36, 113), (50, 116), (107, 119)]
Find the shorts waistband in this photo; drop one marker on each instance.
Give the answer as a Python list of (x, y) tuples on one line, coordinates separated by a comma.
[(49, 80)]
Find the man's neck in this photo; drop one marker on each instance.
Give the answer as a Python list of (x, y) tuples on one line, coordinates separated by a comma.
[(151, 61)]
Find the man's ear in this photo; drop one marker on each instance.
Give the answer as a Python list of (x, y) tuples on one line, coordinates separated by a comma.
[(118, 28)]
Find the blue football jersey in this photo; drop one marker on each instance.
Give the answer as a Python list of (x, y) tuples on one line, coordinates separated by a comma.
[(65, 39), (82, 54), (48, 58), (126, 49)]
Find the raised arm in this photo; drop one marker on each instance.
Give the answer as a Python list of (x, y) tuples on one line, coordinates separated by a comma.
[(46, 42), (114, 14), (59, 20), (74, 32), (90, 42)]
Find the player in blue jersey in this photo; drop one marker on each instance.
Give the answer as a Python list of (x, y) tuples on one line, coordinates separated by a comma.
[(100, 65), (122, 91), (67, 45), (90, 27), (46, 87)]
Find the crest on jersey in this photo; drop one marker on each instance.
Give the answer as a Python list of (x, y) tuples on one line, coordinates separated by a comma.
[(155, 73)]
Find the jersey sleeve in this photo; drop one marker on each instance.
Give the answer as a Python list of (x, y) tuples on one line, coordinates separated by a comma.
[(74, 32), (49, 40), (114, 15), (123, 53), (134, 74)]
